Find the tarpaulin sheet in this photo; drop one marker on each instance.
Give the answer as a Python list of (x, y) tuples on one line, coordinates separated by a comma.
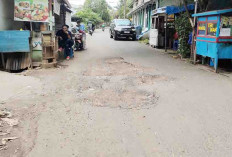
[(174, 9), (14, 41)]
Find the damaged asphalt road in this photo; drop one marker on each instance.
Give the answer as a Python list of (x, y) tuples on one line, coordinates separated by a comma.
[(123, 98)]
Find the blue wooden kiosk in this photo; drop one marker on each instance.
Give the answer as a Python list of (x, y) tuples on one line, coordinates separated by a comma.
[(214, 35), (15, 41)]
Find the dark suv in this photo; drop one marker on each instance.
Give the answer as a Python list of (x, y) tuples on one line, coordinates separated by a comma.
[(122, 28)]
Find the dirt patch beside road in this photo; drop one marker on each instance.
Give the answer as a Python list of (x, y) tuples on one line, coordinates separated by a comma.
[(20, 96)]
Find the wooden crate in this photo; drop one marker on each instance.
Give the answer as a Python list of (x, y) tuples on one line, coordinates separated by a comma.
[(48, 44)]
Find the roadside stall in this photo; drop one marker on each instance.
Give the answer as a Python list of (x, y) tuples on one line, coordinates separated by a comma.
[(214, 35), (39, 14), (27, 38), (162, 27)]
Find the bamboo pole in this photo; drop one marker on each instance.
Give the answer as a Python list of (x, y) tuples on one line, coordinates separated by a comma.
[(193, 35)]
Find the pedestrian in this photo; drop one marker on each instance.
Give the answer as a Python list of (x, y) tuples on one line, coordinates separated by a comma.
[(176, 41), (190, 38), (80, 25), (68, 50), (65, 41)]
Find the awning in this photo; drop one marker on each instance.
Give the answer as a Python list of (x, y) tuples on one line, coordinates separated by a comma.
[(172, 9), (216, 12)]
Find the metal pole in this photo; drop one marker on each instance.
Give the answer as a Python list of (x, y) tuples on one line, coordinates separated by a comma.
[(166, 18)]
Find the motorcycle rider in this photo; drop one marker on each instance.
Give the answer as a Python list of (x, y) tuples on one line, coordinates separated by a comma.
[(80, 25), (103, 27), (93, 25), (90, 28)]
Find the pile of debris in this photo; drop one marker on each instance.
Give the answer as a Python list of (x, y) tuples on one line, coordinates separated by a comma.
[(6, 125)]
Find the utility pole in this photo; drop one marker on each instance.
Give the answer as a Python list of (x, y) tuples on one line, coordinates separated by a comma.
[(125, 9)]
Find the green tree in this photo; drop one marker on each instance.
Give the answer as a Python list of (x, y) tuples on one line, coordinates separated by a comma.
[(120, 8), (206, 5), (89, 4), (100, 7), (183, 27), (88, 15)]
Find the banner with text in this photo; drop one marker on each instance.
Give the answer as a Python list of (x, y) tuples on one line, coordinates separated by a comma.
[(31, 10)]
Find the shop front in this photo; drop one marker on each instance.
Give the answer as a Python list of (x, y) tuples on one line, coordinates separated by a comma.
[(34, 22), (162, 27), (214, 35)]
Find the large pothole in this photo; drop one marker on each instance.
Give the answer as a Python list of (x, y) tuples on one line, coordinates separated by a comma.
[(126, 99), (116, 66), (116, 83)]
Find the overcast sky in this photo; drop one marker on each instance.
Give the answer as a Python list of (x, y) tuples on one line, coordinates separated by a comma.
[(113, 3)]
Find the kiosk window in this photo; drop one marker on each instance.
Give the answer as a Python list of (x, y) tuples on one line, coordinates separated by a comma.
[(202, 29), (226, 26), (212, 29)]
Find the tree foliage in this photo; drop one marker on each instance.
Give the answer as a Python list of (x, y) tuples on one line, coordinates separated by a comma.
[(207, 5), (183, 27), (88, 15), (120, 8), (99, 7)]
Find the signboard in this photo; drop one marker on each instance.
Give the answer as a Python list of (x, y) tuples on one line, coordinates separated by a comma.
[(225, 32), (212, 29), (159, 11), (31, 10), (226, 26), (202, 28)]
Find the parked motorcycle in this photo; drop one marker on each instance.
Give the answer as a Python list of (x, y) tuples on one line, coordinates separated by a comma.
[(78, 39), (79, 45)]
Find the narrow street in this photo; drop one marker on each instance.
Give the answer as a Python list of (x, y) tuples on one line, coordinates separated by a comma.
[(122, 99)]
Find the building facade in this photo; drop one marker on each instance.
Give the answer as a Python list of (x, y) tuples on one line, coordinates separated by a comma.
[(7, 16), (141, 12)]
